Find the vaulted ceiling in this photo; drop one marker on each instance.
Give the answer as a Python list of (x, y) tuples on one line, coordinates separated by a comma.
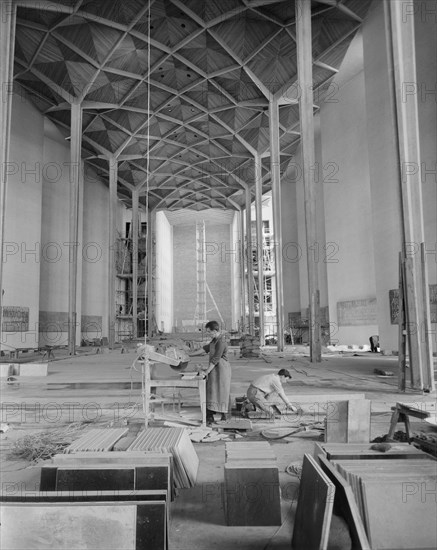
[(178, 91)]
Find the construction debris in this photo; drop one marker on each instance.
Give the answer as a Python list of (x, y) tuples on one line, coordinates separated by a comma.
[(44, 445), (250, 346)]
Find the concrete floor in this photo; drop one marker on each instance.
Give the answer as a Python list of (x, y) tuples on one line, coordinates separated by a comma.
[(104, 389)]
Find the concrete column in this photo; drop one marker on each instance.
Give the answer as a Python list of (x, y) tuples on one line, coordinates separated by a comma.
[(402, 62), (7, 43), (277, 225), (75, 177), (113, 175), (135, 231), (250, 279), (242, 273), (259, 241), (304, 64)]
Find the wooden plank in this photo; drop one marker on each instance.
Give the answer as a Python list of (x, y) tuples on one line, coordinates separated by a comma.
[(314, 508), (428, 366), (345, 501), (402, 337)]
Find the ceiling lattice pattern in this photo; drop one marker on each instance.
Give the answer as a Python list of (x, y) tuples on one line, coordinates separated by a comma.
[(178, 91)]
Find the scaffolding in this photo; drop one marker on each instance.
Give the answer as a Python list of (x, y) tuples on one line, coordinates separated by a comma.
[(124, 258), (200, 311)]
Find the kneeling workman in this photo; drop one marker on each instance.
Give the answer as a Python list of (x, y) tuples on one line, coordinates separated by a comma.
[(265, 386)]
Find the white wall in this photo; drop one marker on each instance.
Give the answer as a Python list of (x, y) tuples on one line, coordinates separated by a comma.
[(164, 273), (22, 236), (384, 176), (235, 260), (348, 215), (37, 235), (54, 236)]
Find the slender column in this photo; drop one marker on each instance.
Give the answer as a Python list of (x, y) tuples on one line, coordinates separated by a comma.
[(277, 226), (250, 280), (135, 231), (113, 175), (242, 273), (7, 43), (75, 176), (304, 65), (402, 59), (259, 242)]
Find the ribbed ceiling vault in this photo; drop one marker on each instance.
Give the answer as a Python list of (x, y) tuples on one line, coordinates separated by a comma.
[(178, 91)]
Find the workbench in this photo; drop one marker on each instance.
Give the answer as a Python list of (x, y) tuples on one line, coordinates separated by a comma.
[(149, 383)]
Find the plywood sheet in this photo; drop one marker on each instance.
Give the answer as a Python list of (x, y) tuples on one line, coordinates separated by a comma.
[(314, 508)]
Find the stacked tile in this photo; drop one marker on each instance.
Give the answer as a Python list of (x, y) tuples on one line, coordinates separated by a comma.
[(252, 494), (396, 500), (174, 441), (97, 440)]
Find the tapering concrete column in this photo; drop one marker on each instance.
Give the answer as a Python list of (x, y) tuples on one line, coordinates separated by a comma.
[(242, 273), (259, 242), (277, 226), (250, 279), (135, 232), (305, 79), (402, 64), (112, 223), (7, 43), (75, 185)]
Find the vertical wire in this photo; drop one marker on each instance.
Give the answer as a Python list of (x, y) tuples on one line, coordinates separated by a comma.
[(147, 283)]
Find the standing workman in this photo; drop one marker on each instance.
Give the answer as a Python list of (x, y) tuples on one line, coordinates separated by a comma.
[(218, 374), (267, 386)]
